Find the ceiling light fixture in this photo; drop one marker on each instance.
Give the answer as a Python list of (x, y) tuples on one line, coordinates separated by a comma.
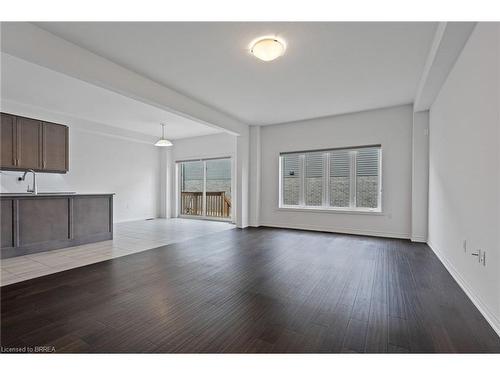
[(163, 142), (268, 48)]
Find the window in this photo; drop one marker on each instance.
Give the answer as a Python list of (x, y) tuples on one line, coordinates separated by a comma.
[(344, 179)]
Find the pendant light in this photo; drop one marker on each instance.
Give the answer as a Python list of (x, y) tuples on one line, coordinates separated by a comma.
[(163, 142)]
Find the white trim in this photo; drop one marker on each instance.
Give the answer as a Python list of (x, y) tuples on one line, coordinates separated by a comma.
[(209, 218), (483, 308), (419, 239), (177, 190), (380, 180), (204, 193), (226, 155), (316, 209), (302, 181), (142, 218), (326, 180), (280, 181), (318, 228), (353, 180), (353, 154)]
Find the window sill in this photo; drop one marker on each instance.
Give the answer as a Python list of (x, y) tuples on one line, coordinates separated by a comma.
[(356, 211)]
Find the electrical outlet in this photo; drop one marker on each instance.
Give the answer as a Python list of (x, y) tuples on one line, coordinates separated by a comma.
[(465, 246)]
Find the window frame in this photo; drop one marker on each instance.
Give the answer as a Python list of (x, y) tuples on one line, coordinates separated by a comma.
[(325, 206)]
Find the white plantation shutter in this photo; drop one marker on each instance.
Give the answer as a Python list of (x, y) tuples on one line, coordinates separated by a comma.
[(291, 165), (313, 185), (340, 163), (343, 178), (314, 164), (340, 184), (367, 177), (291, 179), (367, 161)]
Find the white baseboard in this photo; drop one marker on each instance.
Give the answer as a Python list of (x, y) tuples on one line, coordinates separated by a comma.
[(135, 219), (339, 230), (483, 308), (418, 239)]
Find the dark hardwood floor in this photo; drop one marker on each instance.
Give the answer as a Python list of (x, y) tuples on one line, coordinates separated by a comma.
[(254, 290)]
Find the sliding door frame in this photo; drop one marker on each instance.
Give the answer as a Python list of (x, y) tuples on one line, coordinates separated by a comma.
[(178, 194)]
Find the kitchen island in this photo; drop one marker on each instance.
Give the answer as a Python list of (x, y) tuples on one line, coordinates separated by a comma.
[(47, 221)]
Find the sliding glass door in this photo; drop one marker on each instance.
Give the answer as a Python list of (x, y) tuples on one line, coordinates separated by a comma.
[(192, 185), (205, 188)]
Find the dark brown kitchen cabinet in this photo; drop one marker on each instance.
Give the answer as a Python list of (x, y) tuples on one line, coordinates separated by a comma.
[(35, 223), (8, 141), (29, 148), (33, 144), (7, 223), (55, 147)]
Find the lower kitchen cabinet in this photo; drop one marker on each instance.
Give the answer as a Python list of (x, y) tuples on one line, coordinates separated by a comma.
[(32, 224)]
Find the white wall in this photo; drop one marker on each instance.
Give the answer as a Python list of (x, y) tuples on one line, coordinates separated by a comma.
[(420, 176), (210, 146), (99, 163), (464, 170), (390, 127)]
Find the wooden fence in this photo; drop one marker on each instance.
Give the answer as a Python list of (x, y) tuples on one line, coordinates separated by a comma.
[(218, 204)]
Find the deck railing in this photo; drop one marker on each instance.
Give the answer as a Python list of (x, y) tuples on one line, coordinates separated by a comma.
[(217, 204)]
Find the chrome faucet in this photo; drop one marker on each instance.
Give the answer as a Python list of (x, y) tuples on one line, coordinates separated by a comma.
[(34, 190)]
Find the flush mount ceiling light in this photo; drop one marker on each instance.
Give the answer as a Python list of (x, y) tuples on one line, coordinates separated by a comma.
[(163, 142), (268, 48)]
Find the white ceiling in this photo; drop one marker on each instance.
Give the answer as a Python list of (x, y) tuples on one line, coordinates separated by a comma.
[(33, 85), (328, 68)]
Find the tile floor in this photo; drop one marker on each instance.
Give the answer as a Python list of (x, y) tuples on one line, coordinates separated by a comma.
[(128, 238)]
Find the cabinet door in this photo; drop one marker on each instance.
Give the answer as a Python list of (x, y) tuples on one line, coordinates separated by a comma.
[(43, 220), (92, 216), (7, 223), (28, 143), (55, 147), (8, 141)]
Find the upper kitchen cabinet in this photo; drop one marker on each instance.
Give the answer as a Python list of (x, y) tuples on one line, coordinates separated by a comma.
[(29, 147), (33, 144), (8, 141), (54, 147)]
